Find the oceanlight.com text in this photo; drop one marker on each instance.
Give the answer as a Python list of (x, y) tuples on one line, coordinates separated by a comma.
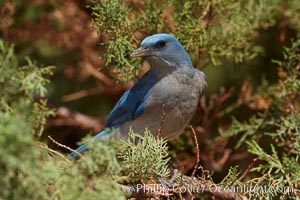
[(251, 190)]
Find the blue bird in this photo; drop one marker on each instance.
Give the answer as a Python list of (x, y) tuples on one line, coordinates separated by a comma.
[(171, 88)]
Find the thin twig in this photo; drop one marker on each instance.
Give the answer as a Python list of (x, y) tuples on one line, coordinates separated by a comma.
[(55, 152), (162, 120), (180, 196), (63, 146), (66, 117), (59, 144), (80, 94), (99, 75), (198, 152), (245, 172)]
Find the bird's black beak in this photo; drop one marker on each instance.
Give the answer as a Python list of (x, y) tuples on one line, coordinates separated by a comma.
[(140, 52)]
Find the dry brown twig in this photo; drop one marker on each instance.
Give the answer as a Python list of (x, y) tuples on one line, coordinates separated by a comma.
[(246, 171), (60, 145), (99, 75), (162, 120), (55, 152), (198, 153), (63, 146), (66, 117), (80, 94)]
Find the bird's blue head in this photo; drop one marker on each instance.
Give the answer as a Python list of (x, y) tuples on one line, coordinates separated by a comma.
[(163, 48)]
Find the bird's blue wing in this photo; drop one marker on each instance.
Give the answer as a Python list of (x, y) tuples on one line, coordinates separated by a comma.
[(131, 105)]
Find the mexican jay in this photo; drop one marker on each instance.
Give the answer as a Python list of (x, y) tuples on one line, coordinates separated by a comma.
[(164, 99)]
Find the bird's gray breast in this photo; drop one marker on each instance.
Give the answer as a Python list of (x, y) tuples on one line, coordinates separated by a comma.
[(170, 104)]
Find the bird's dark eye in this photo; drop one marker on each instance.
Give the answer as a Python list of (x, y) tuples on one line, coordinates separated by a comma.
[(161, 43)]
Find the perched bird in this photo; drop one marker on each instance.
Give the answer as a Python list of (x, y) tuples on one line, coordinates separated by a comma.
[(171, 88)]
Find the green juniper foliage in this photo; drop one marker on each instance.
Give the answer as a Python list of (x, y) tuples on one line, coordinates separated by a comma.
[(281, 123), (210, 30), (218, 35), (28, 171), (146, 156), (21, 119), (32, 171), (19, 85)]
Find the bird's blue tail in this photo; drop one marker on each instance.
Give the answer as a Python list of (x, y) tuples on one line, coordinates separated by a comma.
[(84, 146)]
